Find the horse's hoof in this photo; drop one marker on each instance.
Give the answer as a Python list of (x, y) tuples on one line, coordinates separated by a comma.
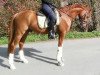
[(12, 67), (60, 63), (25, 61)]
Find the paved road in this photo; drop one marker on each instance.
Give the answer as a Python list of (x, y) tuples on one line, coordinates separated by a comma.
[(81, 57)]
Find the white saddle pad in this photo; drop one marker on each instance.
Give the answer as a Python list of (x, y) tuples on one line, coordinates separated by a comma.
[(43, 21)]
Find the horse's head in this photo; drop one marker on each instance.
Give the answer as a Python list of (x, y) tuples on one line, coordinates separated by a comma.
[(82, 10), (85, 18)]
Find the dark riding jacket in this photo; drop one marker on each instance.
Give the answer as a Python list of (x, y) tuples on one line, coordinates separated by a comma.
[(52, 2)]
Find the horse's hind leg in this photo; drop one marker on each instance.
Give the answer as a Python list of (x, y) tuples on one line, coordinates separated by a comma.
[(21, 52), (11, 49)]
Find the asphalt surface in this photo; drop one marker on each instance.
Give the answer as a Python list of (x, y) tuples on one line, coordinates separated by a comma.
[(81, 57)]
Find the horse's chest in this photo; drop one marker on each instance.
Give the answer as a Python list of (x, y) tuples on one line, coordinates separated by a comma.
[(68, 20)]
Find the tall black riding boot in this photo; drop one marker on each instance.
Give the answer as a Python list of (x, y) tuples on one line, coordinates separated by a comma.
[(51, 34)]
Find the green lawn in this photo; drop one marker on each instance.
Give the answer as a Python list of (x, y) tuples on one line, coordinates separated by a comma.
[(70, 35)]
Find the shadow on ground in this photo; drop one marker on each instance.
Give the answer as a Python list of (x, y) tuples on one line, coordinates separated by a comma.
[(29, 52), (3, 55)]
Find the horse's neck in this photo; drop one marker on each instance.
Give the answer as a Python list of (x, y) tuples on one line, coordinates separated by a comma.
[(74, 12)]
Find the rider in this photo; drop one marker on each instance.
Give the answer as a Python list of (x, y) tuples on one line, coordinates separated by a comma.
[(48, 7)]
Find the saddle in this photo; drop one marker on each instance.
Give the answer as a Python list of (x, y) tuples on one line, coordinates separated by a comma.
[(43, 20)]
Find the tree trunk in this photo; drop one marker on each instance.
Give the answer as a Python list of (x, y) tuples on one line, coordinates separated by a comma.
[(94, 22)]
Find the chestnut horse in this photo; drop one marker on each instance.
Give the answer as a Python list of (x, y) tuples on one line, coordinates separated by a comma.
[(25, 21)]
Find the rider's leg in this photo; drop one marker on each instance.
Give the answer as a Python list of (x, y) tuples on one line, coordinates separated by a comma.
[(47, 10), (51, 28)]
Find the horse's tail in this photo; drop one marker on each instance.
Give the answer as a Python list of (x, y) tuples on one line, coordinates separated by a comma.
[(11, 28)]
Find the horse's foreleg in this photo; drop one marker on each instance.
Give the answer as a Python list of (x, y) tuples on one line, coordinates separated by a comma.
[(11, 49), (60, 49), (21, 52)]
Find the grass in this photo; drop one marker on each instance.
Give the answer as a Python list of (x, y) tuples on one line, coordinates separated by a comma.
[(70, 35), (78, 35), (3, 40)]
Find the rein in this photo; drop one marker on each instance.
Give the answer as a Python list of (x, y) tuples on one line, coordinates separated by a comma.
[(65, 14)]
